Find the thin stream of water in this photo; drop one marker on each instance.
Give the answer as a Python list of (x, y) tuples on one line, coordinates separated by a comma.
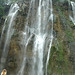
[(9, 21)]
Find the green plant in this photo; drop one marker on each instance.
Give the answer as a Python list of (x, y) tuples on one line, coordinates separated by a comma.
[(1, 11)]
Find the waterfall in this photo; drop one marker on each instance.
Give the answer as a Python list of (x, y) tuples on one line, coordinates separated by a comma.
[(38, 35), (9, 22), (72, 15)]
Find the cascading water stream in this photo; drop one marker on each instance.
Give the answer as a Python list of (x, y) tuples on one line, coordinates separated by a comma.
[(8, 23), (25, 43), (72, 15), (51, 35), (39, 29)]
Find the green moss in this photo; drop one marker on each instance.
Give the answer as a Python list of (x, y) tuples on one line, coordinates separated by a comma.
[(69, 35), (1, 11), (67, 24), (58, 63), (60, 55)]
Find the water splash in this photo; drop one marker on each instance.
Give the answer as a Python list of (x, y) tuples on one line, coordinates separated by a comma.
[(9, 32)]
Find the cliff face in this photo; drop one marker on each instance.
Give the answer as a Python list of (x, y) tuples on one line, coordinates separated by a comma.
[(62, 57)]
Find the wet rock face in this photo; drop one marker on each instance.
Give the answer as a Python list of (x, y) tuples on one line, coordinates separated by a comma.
[(62, 57), (22, 15), (14, 58)]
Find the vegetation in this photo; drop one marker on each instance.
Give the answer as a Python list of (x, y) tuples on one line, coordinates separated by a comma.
[(59, 63), (2, 11)]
